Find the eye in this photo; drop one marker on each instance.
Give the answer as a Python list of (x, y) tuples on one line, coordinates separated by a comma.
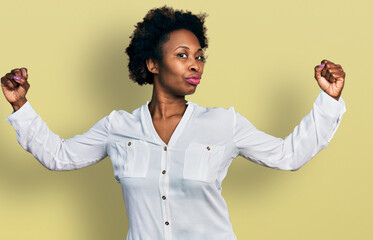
[(201, 58), (182, 55)]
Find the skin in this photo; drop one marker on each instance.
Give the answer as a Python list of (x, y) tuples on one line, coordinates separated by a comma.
[(182, 57)]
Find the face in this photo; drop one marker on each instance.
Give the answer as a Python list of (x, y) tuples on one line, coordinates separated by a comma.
[(180, 70)]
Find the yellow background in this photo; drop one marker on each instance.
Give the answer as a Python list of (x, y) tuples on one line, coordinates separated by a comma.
[(260, 60)]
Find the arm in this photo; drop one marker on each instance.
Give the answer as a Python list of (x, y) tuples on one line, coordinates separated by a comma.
[(308, 138), (34, 135), (53, 152)]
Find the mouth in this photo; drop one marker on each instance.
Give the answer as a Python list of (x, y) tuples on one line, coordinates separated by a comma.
[(194, 80)]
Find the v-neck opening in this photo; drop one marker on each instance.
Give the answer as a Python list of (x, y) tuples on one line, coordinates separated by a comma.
[(178, 129)]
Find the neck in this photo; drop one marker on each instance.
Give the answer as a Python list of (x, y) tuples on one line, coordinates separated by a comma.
[(164, 105)]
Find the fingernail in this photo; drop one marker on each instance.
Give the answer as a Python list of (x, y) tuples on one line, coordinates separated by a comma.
[(17, 78), (321, 66)]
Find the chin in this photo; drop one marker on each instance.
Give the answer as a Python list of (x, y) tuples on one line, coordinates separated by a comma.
[(191, 91), (186, 90)]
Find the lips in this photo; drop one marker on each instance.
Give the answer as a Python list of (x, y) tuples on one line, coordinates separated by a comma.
[(194, 80)]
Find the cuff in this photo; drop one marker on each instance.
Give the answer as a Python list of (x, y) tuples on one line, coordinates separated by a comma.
[(329, 105), (21, 116)]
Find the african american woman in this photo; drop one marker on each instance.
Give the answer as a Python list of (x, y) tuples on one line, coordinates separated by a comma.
[(171, 155)]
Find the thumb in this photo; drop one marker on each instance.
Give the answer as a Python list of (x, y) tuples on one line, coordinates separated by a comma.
[(23, 83), (19, 80), (318, 70)]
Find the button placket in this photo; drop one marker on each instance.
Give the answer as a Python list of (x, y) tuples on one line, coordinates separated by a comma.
[(163, 191)]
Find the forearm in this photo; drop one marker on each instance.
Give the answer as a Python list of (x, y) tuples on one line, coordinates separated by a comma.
[(314, 132)]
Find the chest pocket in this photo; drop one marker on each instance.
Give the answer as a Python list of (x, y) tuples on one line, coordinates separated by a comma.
[(202, 162), (132, 159)]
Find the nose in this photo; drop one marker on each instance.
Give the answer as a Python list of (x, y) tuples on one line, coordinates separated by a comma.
[(195, 65)]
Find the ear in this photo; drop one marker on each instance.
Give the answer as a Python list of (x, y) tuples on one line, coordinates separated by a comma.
[(152, 66)]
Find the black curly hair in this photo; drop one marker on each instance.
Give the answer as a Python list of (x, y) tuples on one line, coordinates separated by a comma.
[(153, 32)]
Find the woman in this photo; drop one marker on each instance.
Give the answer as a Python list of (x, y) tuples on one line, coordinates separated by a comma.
[(170, 155)]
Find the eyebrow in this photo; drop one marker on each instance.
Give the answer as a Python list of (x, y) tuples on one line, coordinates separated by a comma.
[(185, 47)]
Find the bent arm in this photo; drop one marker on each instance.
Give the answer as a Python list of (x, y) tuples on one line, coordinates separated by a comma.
[(54, 152), (308, 138)]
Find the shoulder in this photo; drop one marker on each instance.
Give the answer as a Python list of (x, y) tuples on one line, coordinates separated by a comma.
[(122, 116), (215, 117), (213, 112)]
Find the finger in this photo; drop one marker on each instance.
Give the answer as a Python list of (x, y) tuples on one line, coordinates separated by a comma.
[(336, 71), (340, 83), (326, 61), (338, 75), (5, 82), (8, 83), (9, 76), (331, 70), (337, 66), (16, 72), (318, 70), (16, 81), (328, 75), (24, 73), (22, 81), (324, 70)]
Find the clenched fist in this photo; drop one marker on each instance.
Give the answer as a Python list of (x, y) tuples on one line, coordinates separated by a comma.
[(331, 78), (15, 87)]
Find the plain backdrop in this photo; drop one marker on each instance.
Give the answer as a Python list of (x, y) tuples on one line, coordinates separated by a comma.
[(261, 60)]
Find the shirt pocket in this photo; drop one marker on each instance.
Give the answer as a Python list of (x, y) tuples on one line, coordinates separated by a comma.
[(132, 159), (202, 162)]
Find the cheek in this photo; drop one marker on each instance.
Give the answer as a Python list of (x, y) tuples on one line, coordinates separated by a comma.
[(174, 71)]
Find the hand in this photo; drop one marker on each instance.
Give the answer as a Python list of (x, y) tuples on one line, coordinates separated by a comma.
[(15, 87), (330, 78)]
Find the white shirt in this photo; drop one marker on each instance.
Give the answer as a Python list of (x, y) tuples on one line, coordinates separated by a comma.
[(173, 191)]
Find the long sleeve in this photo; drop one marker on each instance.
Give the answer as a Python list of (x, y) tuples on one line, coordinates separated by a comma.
[(54, 152), (308, 138)]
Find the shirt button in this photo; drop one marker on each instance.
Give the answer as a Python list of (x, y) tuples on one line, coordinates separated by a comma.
[(167, 223), (208, 148), (165, 148), (129, 143), (164, 197), (164, 172)]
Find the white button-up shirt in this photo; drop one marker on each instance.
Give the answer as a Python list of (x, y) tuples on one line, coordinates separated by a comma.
[(173, 191)]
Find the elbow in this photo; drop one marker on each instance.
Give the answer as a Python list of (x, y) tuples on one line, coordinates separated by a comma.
[(50, 166), (295, 168), (291, 164), (295, 160), (290, 167), (295, 164)]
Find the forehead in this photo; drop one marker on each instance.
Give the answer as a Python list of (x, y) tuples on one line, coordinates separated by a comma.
[(181, 37)]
